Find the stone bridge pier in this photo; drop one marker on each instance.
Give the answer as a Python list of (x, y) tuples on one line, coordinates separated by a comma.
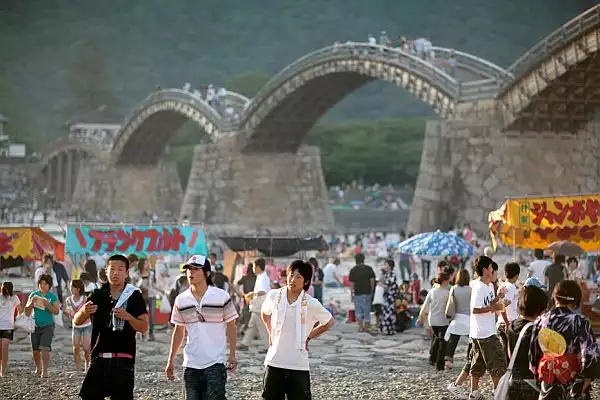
[(469, 165), (128, 190), (246, 192)]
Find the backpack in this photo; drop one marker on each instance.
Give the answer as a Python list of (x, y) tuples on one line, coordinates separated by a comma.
[(181, 285)]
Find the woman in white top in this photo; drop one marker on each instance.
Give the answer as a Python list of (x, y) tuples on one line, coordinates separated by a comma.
[(82, 334), (9, 309)]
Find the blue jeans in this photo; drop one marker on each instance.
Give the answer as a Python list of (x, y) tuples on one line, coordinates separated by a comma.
[(205, 384), (318, 293), (362, 307), (333, 285)]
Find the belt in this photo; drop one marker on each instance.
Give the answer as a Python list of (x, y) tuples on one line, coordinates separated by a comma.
[(115, 355)]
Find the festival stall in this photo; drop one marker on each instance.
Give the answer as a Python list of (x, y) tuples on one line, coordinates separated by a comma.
[(27, 244), (144, 241), (538, 222), (241, 250)]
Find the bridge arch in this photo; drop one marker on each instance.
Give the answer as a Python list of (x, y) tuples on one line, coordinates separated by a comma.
[(147, 130), (59, 167), (557, 82), (283, 112)]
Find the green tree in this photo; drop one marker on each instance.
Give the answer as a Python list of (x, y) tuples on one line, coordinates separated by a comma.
[(89, 81), (248, 83), (21, 126), (387, 151)]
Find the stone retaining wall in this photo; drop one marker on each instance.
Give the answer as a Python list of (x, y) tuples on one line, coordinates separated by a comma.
[(469, 166)]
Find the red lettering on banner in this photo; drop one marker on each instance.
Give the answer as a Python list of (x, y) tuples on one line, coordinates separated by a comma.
[(563, 210), (158, 240), (154, 237), (540, 210), (80, 238), (98, 237), (588, 232), (585, 232), (577, 211), (592, 210)]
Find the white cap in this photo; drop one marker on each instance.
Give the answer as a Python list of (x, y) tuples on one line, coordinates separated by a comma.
[(197, 260)]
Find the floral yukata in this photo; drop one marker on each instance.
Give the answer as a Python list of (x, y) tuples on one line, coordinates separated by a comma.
[(563, 352), (387, 320)]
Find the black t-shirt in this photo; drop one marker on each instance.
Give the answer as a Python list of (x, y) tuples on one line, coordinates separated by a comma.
[(555, 273), (521, 368), (361, 275), (319, 276), (104, 338), (219, 279)]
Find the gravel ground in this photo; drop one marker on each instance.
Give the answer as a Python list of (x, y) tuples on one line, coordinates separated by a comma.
[(344, 365)]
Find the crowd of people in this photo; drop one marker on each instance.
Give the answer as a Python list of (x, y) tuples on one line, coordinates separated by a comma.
[(109, 307), (111, 304), (420, 47), (358, 196), (557, 356), (217, 98)]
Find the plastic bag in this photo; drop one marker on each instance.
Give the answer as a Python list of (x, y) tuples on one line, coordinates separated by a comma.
[(58, 319), (165, 306), (25, 323)]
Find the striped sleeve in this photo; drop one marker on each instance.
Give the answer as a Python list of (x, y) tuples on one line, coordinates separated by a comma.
[(229, 311), (176, 318)]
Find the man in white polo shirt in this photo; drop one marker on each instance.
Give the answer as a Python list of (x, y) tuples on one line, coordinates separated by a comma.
[(262, 285), (292, 318), (206, 315)]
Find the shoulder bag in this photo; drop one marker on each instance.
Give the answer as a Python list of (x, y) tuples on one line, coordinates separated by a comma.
[(501, 392), (451, 305)]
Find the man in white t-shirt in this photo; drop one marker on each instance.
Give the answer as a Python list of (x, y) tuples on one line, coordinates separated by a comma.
[(293, 318), (512, 271), (47, 269), (331, 279), (537, 268), (487, 352), (256, 297), (205, 315)]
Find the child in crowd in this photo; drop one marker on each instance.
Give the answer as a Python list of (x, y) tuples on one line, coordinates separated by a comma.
[(414, 288), (81, 334), (9, 309), (434, 309)]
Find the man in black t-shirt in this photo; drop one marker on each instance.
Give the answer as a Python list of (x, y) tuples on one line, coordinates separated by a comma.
[(117, 311), (362, 287), (555, 273)]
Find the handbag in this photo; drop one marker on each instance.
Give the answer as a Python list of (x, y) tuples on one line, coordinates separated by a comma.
[(58, 319), (25, 323), (451, 305), (501, 392)]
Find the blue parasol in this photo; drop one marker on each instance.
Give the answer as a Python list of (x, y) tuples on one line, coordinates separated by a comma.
[(436, 244)]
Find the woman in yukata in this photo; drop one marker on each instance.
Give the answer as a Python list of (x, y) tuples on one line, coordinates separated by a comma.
[(387, 320), (563, 354)]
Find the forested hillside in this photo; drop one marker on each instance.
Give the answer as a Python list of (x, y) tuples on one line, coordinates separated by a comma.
[(59, 58)]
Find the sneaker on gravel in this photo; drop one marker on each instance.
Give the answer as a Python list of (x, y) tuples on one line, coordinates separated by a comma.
[(457, 392), (475, 395)]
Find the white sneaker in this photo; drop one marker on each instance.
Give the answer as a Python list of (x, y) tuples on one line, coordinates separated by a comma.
[(475, 395), (457, 392)]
